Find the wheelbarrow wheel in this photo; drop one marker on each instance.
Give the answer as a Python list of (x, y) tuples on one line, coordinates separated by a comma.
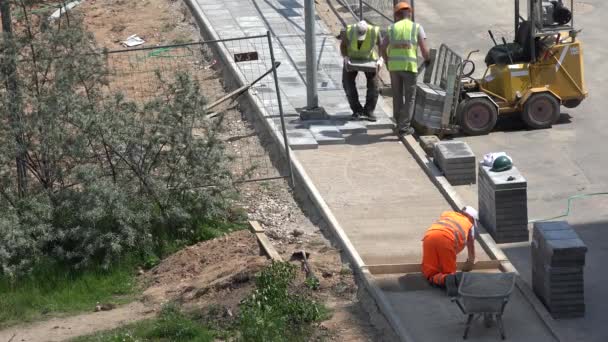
[(477, 116), (540, 111)]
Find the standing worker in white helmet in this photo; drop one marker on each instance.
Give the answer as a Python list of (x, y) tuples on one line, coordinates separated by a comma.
[(359, 46), (400, 50)]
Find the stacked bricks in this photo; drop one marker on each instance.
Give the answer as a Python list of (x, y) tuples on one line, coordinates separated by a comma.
[(503, 204), (429, 105), (558, 259), (456, 161)]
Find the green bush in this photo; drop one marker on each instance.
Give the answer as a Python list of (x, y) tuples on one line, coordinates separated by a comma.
[(273, 313), (104, 175)]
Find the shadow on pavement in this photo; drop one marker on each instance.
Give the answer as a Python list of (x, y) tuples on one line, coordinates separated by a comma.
[(371, 138)]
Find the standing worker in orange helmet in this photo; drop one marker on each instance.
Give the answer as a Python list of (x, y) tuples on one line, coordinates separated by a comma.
[(399, 49), (443, 241)]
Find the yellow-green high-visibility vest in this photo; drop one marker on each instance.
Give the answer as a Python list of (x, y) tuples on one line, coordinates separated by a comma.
[(366, 51), (403, 46)]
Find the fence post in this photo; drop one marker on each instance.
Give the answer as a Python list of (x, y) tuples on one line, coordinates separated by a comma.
[(280, 104)]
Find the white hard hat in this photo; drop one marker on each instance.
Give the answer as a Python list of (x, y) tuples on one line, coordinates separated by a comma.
[(361, 30), (471, 212)]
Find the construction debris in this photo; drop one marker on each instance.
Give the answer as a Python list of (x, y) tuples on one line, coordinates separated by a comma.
[(133, 40), (63, 8)]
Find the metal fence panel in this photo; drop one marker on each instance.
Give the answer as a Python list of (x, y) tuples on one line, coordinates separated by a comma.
[(140, 73)]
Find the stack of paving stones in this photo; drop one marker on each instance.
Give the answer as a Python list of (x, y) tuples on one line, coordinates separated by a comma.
[(456, 161), (558, 259), (429, 105), (503, 204)]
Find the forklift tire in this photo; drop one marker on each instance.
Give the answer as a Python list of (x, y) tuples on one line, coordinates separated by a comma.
[(477, 116), (541, 111)]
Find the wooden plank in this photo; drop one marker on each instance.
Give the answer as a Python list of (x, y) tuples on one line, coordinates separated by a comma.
[(255, 227), (267, 246), (415, 268)]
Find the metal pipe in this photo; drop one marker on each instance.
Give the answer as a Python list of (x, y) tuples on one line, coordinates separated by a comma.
[(572, 10), (360, 9), (516, 17), (312, 98), (278, 92), (413, 10)]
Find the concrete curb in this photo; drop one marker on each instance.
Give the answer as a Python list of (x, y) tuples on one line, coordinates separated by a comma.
[(485, 239), (302, 179)]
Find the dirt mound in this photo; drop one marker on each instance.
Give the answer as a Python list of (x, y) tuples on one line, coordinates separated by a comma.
[(200, 272)]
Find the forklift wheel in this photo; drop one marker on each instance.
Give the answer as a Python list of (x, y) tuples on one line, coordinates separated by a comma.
[(477, 116), (540, 111)]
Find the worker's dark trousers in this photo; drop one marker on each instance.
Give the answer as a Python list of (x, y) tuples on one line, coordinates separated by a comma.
[(349, 84), (404, 97)]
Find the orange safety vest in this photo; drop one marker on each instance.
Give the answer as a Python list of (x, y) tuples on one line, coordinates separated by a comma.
[(454, 226)]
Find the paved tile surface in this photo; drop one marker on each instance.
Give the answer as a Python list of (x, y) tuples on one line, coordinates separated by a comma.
[(285, 21)]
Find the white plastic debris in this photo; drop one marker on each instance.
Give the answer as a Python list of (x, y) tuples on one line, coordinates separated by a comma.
[(133, 40), (488, 159), (64, 9)]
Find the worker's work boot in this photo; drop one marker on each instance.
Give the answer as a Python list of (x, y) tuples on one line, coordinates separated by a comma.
[(405, 131), (370, 117)]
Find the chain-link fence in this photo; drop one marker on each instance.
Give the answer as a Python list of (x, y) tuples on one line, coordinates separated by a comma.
[(377, 12), (141, 74)]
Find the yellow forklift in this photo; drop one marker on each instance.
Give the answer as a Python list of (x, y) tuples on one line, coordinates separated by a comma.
[(534, 75)]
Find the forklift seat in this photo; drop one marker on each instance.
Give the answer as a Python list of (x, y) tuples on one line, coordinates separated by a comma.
[(520, 49)]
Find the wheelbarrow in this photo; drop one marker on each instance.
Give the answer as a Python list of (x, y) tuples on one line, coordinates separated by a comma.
[(484, 295)]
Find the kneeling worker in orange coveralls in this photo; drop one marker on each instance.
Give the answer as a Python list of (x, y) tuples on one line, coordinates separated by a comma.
[(443, 241)]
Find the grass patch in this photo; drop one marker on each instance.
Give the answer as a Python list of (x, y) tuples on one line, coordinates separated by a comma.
[(171, 325), (53, 289), (276, 311)]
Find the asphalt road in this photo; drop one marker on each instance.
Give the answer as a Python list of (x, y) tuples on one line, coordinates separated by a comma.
[(566, 160)]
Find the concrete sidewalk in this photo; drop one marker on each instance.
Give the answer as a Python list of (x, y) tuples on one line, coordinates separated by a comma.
[(376, 190)]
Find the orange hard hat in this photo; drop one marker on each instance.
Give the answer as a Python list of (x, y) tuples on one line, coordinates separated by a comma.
[(402, 6)]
